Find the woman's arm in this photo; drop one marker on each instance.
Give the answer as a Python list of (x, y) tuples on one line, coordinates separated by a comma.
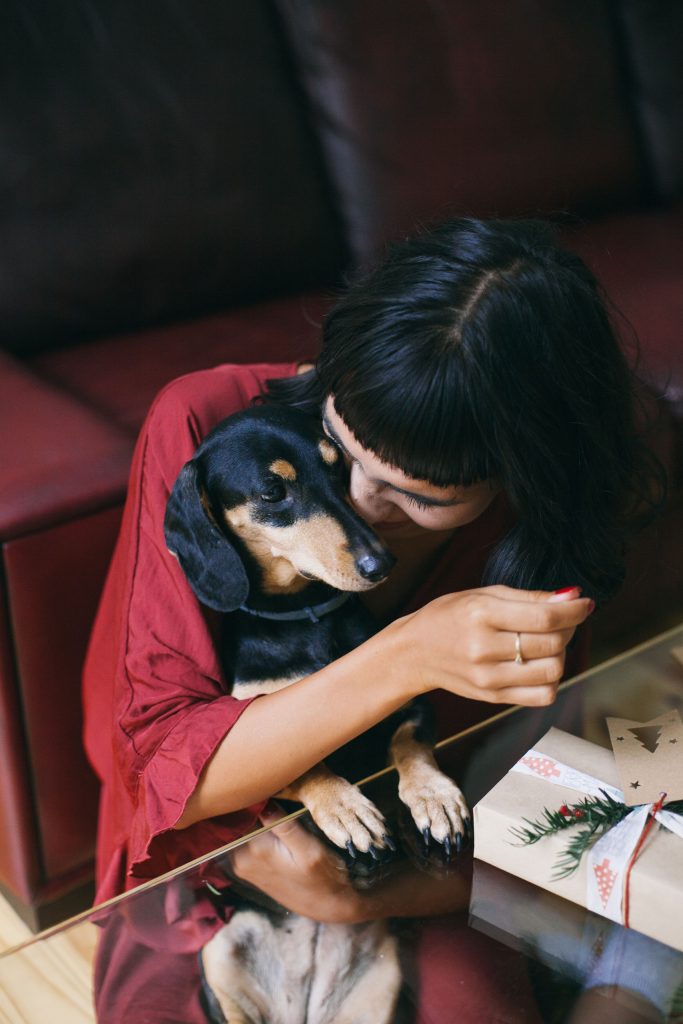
[(464, 643)]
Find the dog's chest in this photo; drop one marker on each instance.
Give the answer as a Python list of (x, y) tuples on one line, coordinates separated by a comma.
[(264, 655)]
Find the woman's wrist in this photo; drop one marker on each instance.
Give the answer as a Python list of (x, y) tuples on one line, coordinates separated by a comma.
[(391, 654)]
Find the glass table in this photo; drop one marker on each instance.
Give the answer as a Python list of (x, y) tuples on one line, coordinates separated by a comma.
[(488, 946)]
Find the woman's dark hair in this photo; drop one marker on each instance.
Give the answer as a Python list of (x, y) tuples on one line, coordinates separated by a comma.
[(482, 350)]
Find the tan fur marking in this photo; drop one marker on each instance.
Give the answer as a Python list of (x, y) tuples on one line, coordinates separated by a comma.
[(408, 753), (317, 784), (283, 468), (338, 808), (257, 686), (204, 502), (329, 453), (279, 575), (327, 973), (316, 546), (434, 800)]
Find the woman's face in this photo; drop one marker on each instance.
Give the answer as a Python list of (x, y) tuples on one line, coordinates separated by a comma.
[(397, 505)]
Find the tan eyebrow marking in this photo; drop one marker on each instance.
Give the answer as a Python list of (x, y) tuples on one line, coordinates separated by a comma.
[(329, 453), (283, 468)]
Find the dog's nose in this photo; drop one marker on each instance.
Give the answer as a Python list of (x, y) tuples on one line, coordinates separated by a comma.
[(374, 567)]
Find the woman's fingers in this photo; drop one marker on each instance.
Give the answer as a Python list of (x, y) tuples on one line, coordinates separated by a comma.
[(528, 696), (545, 616), (505, 593), (495, 679), (532, 646)]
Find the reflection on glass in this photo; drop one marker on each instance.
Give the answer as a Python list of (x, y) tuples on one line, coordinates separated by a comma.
[(230, 939)]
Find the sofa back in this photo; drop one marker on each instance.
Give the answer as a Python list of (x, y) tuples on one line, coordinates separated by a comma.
[(427, 110), (157, 165), (163, 161)]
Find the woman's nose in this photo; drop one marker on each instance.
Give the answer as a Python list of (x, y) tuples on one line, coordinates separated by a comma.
[(366, 498)]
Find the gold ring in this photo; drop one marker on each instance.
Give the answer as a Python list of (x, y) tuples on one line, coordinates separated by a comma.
[(519, 660)]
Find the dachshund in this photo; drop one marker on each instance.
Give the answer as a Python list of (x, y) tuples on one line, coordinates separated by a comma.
[(261, 524)]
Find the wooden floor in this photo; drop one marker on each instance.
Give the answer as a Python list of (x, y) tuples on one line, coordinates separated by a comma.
[(49, 981), (12, 928)]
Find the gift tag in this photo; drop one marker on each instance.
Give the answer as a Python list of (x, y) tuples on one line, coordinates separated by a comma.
[(649, 757)]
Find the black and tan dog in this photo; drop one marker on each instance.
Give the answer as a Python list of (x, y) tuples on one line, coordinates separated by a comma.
[(261, 524)]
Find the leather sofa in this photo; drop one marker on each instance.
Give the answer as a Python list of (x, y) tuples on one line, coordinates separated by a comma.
[(183, 185)]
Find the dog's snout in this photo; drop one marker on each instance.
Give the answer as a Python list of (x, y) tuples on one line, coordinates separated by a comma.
[(375, 567)]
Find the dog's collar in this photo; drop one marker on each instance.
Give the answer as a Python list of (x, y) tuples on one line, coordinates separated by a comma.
[(314, 613)]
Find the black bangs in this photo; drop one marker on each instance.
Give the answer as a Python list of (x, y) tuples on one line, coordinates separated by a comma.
[(480, 350), (416, 409)]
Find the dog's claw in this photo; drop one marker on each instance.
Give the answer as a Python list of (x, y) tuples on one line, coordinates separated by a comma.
[(426, 835), (389, 842), (353, 852), (373, 852), (447, 847), (458, 842)]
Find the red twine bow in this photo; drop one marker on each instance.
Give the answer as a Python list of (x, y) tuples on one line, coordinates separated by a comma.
[(654, 810)]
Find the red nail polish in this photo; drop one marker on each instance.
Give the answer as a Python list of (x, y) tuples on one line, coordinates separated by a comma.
[(566, 590)]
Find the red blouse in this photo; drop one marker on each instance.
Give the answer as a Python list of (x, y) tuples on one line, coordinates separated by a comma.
[(156, 703)]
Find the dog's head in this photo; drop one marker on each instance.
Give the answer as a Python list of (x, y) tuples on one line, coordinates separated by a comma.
[(264, 503)]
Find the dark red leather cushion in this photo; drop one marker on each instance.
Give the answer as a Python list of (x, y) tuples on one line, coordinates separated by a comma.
[(59, 458), (121, 375), (428, 110), (54, 578), (19, 849)]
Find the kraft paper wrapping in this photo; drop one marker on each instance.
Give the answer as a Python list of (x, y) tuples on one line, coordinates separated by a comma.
[(656, 888)]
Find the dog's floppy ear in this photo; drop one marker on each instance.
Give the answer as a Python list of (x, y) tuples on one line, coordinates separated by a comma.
[(213, 568)]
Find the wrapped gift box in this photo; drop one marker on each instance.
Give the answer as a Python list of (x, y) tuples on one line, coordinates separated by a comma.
[(656, 885)]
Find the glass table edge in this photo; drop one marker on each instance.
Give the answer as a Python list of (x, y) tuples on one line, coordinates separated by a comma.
[(168, 876)]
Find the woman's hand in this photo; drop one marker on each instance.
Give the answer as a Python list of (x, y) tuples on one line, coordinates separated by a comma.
[(467, 643), (294, 868)]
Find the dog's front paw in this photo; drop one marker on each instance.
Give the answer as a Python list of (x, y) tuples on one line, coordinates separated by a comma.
[(438, 808), (349, 819)]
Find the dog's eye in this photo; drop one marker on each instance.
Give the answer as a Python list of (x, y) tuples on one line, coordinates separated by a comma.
[(273, 491)]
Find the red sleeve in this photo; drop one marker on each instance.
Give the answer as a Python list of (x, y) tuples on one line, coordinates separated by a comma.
[(156, 703)]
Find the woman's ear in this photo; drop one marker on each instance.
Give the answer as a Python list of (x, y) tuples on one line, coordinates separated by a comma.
[(213, 568)]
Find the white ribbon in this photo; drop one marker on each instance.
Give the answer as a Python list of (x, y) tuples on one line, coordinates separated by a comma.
[(608, 859)]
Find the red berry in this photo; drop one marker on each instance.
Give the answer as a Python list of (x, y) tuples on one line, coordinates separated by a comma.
[(564, 809), (578, 813)]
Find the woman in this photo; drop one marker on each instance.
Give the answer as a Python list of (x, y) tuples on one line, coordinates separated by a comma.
[(476, 389)]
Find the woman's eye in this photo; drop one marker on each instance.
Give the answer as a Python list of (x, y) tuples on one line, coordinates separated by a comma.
[(274, 491), (422, 505)]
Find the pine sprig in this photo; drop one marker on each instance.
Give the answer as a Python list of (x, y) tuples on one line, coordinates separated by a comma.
[(596, 816)]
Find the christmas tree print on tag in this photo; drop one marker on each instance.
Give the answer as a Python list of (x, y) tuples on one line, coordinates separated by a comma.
[(605, 878), (648, 735), (649, 757)]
